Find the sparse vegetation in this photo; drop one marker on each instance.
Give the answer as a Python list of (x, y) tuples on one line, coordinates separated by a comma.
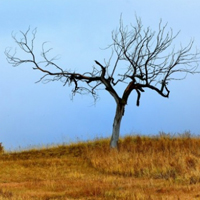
[(145, 167)]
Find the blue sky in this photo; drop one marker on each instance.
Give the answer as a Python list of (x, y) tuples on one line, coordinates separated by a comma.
[(43, 114)]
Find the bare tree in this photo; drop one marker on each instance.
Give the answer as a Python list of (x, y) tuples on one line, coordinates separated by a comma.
[(147, 62)]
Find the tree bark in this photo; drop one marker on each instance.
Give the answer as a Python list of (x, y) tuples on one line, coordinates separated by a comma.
[(116, 125)]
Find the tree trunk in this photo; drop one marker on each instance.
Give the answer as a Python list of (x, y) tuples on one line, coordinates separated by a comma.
[(116, 125)]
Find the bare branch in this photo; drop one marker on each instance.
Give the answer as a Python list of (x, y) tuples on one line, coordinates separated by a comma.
[(143, 53), (148, 65)]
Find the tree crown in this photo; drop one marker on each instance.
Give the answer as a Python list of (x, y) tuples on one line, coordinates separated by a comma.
[(147, 62)]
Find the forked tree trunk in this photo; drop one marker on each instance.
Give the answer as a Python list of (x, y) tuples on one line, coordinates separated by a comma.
[(116, 126)]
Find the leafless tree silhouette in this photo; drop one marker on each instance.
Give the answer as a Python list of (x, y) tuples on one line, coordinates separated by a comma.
[(148, 63)]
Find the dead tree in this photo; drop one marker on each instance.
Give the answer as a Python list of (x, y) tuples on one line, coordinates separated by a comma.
[(147, 60)]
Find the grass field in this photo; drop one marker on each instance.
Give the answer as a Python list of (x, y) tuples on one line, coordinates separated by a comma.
[(163, 167)]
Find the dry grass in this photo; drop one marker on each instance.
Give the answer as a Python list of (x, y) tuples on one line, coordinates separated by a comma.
[(162, 168)]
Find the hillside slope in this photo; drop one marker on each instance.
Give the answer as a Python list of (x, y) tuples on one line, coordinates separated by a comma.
[(162, 167)]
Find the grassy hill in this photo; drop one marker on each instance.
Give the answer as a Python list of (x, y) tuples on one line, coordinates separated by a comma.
[(145, 167)]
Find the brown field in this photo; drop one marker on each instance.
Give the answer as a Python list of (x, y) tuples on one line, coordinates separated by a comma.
[(145, 167)]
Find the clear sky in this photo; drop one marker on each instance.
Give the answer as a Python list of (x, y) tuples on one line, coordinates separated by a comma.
[(43, 114)]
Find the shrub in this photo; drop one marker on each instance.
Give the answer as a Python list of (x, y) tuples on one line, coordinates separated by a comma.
[(1, 148)]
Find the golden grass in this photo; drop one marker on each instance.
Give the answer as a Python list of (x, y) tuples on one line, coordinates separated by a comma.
[(145, 167)]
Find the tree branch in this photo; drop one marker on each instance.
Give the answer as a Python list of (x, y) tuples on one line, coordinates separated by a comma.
[(141, 60)]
